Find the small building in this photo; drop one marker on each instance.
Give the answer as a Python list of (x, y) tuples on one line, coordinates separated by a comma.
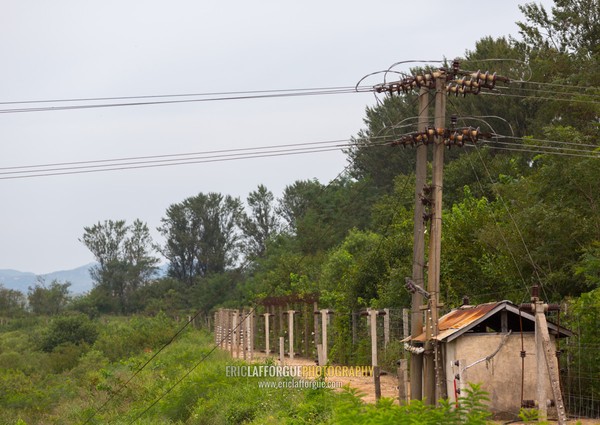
[(483, 344)]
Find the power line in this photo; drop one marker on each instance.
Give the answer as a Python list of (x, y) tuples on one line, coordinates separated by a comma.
[(539, 83), (175, 156), (540, 98), (159, 96), (560, 142), (490, 145), (142, 367), (544, 148), (176, 159), (555, 92), (233, 96), (117, 167)]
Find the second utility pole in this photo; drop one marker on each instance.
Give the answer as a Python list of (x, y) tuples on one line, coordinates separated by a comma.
[(432, 367)]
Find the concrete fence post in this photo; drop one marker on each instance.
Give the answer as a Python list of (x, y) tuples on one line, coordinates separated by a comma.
[(281, 350), (386, 327), (267, 348), (376, 377), (291, 332)]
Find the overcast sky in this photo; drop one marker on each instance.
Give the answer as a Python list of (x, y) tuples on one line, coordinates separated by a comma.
[(88, 49)]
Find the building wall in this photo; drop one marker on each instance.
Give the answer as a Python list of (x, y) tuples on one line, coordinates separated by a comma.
[(501, 377)]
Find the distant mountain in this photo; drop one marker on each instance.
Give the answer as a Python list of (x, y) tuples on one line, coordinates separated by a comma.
[(79, 278)]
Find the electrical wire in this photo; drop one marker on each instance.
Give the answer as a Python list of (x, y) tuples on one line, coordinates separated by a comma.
[(165, 160), (156, 165), (593, 102), (592, 96), (169, 158), (146, 363), (185, 154), (234, 96), (160, 96), (490, 145), (548, 148), (539, 83)]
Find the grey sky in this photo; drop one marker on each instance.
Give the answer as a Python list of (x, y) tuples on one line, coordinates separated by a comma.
[(74, 49)]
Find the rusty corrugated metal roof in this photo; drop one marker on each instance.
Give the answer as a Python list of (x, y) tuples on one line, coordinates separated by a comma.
[(460, 318)]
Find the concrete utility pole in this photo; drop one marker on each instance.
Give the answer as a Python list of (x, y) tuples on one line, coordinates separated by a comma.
[(416, 360), (546, 358), (435, 238), (441, 96)]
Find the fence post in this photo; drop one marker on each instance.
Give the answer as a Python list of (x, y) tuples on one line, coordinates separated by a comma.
[(267, 348), (316, 323), (376, 378), (250, 330), (229, 331), (221, 325), (234, 333), (243, 333), (324, 317), (354, 328), (281, 350), (291, 332), (306, 319), (386, 327), (216, 322)]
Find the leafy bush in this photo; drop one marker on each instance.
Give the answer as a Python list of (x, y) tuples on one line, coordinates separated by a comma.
[(472, 411), (74, 329), (120, 339), (65, 356)]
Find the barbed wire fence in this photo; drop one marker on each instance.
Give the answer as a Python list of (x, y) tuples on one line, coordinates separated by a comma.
[(579, 359)]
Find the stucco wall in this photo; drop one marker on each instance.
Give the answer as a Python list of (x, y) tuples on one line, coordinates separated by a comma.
[(501, 377)]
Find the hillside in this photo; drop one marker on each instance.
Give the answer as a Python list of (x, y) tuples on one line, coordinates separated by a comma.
[(79, 277)]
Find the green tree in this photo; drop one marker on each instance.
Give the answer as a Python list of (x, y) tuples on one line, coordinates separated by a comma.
[(202, 235), (353, 271), (475, 259), (296, 201), (319, 217), (12, 302), (262, 224), (572, 26), (124, 256), (549, 218), (562, 45), (48, 300)]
